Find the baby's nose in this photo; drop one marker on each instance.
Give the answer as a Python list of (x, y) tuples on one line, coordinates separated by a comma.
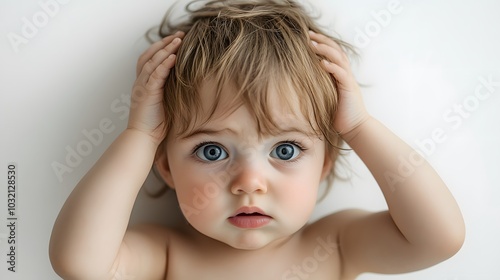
[(249, 179)]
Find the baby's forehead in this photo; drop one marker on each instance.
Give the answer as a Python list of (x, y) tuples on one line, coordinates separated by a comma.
[(278, 100), (275, 112), (235, 126)]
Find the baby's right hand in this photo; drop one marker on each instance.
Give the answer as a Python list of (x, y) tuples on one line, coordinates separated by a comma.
[(146, 110)]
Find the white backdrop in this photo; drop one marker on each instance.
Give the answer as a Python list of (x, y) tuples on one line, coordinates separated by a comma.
[(67, 67)]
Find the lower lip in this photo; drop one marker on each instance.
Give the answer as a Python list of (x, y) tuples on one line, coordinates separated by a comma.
[(249, 221)]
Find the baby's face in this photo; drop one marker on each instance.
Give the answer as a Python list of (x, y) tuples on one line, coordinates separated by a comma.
[(243, 188)]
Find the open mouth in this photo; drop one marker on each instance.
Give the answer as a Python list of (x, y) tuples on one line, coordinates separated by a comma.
[(249, 211), (251, 214), (249, 217)]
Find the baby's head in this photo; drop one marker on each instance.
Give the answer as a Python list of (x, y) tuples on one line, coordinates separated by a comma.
[(247, 68), (253, 46)]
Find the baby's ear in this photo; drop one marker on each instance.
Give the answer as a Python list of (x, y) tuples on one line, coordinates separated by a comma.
[(162, 167)]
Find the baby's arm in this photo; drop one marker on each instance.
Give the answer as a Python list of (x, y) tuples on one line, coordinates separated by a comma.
[(87, 241), (424, 224)]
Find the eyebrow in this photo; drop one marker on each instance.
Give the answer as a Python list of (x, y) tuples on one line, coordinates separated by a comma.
[(293, 129), (208, 131)]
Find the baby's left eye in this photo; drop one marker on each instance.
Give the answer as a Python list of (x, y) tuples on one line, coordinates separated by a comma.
[(211, 152), (285, 151)]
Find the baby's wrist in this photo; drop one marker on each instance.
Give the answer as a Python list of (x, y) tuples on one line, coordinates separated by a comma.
[(142, 138), (351, 134)]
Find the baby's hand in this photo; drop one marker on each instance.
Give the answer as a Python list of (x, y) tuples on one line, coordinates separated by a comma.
[(153, 67), (351, 111)]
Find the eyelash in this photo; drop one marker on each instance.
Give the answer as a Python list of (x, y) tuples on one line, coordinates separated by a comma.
[(295, 143), (290, 141), (203, 144), (198, 146)]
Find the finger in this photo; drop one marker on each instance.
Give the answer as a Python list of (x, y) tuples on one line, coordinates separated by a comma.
[(320, 38), (154, 48), (159, 57), (159, 76), (159, 45), (339, 73), (331, 54), (146, 55)]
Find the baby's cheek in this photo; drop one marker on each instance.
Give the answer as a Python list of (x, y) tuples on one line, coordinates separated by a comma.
[(303, 195), (199, 201)]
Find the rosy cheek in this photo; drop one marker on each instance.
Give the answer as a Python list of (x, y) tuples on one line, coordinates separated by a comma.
[(298, 192), (188, 188), (199, 197)]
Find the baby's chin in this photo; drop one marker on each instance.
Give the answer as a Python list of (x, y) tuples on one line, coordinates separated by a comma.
[(252, 241), (248, 246), (270, 236)]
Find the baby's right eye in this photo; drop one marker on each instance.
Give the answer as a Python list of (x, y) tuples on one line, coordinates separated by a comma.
[(211, 152)]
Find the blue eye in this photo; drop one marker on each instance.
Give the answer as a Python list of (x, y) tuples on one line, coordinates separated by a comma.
[(211, 152), (286, 151)]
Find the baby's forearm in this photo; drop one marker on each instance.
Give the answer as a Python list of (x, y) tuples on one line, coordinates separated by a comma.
[(419, 202), (90, 227)]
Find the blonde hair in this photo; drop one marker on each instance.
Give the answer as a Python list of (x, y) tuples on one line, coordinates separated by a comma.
[(252, 45)]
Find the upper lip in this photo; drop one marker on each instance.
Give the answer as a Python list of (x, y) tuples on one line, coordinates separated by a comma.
[(249, 210)]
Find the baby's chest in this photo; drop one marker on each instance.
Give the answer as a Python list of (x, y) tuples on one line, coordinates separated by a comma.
[(318, 263)]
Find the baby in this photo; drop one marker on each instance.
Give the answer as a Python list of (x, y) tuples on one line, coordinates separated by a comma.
[(248, 104)]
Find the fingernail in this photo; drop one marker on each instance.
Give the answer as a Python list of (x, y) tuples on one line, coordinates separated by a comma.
[(314, 43), (311, 32), (326, 62), (176, 41)]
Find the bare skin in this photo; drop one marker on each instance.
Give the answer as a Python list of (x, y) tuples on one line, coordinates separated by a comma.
[(422, 227)]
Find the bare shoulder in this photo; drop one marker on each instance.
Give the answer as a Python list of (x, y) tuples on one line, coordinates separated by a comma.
[(153, 237), (372, 242), (325, 235), (143, 253), (157, 232), (333, 224)]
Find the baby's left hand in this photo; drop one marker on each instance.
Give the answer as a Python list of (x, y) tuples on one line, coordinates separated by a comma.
[(351, 112)]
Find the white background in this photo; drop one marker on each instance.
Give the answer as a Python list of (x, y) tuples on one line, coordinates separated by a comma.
[(419, 61)]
